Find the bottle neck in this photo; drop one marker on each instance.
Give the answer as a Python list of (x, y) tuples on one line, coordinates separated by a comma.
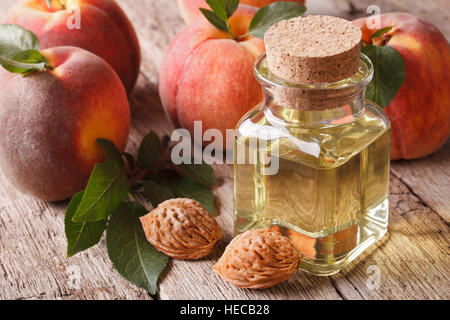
[(298, 108), (314, 104)]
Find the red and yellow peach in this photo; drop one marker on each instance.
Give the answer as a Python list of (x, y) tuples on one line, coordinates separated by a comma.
[(420, 112), (50, 121), (206, 75), (104, 29)]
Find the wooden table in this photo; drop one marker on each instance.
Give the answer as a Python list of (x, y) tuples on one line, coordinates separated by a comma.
[(412, 261)]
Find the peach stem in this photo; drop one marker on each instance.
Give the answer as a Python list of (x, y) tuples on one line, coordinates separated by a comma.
[(61, 3)]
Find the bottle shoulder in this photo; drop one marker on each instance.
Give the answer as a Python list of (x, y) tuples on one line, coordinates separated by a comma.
[(323, 146)]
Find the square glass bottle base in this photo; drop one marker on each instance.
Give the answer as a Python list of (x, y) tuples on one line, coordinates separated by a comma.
[(327, 255), (371, 228)]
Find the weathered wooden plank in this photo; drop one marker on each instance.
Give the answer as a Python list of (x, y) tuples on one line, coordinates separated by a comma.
[(157, 23), (33, 262), (413, 260), (434, 11), (195, 280), (4, 5), (429, 179)]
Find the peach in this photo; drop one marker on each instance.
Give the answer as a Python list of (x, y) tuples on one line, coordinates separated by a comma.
[(104, 30), (206, 75), (50, 121), (420, 112), (189, 8)]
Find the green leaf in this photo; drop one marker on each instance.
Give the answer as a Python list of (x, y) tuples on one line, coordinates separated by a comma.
[(24, 62), (83, 235), (273, 13), (156, 193), (110, 150), (231, 6), (187, 188), (381, 32), (218, 7), (130, 252), (149, 151), (14, 39), (19, 50), (200, 173), (389, 74), (130, 160), (215, 20), (106, 190)]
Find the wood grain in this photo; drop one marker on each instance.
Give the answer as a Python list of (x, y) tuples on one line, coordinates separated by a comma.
[(412, 259), (33, 263), (434, 11), (428, 179)]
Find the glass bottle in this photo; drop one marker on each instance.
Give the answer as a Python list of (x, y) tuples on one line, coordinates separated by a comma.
[(318, 173)]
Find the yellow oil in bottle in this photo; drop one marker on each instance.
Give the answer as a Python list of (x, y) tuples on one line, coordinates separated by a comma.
[(329, 194)]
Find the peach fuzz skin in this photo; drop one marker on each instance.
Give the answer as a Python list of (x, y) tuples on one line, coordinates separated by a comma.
[(105, 31), (205, 75), (50, 121), (189, 8), (420, 113)]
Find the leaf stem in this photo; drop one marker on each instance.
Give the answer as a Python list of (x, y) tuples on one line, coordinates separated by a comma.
[(62, 3), (130, 196), (242, 36), (137, 176), (229, 30)]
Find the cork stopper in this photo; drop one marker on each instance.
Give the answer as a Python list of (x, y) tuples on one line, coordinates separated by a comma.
[(315, 49)]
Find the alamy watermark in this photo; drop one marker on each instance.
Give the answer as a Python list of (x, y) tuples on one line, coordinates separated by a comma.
[(74, 20), (258, 147), (211, 147)]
